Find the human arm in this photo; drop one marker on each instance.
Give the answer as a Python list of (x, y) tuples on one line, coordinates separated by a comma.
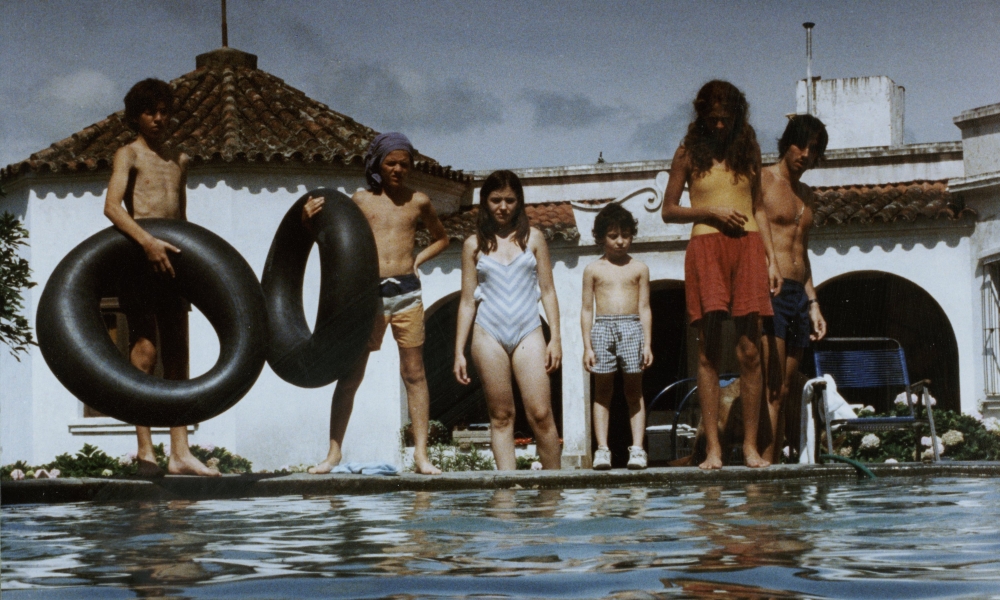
[(815, 314), (553, 352), (764, 225), (587, 318), (672, 211), (439, 237), (157, 251), (466, 309), (645, 317)]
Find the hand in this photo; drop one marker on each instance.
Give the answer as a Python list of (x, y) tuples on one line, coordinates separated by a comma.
[(310, 208), (818, 323), (460, 370), (647, 357), (589, 360), (729, 218), (553, 356), (775, 279), (156, 252)]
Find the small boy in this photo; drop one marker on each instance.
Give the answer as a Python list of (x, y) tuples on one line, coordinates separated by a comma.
[(150, 180), (620, 335), (392, 210)]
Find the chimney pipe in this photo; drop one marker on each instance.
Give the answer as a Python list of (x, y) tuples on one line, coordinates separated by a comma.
[(225, 31), (809, 64)]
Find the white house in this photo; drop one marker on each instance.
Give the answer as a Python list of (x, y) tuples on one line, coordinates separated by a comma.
[(901, 248)]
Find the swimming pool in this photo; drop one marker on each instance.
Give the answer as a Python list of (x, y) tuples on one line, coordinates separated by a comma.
[(888, 538)]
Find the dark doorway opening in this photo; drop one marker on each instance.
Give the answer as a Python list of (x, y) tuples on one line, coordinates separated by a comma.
[(876, 304)]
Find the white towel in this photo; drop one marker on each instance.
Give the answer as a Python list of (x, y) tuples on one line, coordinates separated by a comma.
[(836, 408)]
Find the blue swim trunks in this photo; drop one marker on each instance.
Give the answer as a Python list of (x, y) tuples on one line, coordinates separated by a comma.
[(791, 316)]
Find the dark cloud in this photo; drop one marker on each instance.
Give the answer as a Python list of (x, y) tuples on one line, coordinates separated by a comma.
[(662, 136), (555, 110), (385, 99)]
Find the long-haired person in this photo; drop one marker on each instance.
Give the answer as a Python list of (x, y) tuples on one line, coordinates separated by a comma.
[(729, 267), (505, 269)]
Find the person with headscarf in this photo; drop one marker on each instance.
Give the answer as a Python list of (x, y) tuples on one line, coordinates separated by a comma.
[(393, 211)]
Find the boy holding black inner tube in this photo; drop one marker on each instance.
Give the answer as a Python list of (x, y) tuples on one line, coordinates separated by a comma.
[(150, 178), (393, 211)]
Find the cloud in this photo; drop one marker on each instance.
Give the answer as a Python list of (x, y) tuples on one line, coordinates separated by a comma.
[(83, 91), (387, 99), (575, 111), (662, 136)]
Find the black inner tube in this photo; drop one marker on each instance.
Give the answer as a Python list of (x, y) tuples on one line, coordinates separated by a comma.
[(210, 274), (348, 297)]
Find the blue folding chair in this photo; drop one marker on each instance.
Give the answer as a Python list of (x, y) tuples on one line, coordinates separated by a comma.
[(674, 389), (868, 363)]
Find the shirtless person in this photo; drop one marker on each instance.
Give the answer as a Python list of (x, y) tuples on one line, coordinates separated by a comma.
[(797, 318), (729, 263), (392, 210), (150, 180), (620, 336)]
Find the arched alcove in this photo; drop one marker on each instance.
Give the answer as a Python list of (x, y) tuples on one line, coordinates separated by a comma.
[(455, 404), (878, 304)]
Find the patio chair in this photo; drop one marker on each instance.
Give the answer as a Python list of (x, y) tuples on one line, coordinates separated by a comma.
[(870, 363)]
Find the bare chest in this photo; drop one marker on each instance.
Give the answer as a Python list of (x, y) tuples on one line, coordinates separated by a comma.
[(389, 218)]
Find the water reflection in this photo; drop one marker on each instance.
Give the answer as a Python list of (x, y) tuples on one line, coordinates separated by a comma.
[(758, 540)]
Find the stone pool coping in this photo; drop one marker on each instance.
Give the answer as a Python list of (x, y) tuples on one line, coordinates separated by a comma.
[(178, 487)]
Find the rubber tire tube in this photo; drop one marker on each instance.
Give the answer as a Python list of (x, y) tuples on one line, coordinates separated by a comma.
[(210, 274), (349, 298)]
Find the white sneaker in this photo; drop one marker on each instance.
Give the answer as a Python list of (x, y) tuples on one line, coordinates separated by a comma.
[(636, 457), (602, 459)]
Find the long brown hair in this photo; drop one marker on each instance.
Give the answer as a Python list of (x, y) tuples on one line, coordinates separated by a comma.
[(740, 149), (486, 226)]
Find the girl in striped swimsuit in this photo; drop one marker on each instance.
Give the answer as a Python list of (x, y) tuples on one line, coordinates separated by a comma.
[(505, 270)]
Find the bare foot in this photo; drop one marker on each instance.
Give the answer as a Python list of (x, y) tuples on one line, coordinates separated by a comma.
[(190, 465), (147, 468), (754, 460), (712, 462), (423, 466), (324, 467)]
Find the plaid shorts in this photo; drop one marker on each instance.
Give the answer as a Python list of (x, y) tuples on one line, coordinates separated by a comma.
[(617, 342)]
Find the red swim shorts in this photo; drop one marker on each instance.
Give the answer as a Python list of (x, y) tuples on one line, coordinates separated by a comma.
[(728, 274)]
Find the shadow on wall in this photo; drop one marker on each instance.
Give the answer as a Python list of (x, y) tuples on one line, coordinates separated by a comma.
[(455, 404), (877, 304)]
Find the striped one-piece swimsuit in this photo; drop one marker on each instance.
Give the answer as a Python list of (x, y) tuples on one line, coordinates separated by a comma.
[(507, 296)]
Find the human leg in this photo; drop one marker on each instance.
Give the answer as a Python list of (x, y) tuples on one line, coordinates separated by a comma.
[(773, 355), (709, 353), (418, 399), (142, 355), (604, 387), (528, 363), (494, 368), (340, 413), (636, 407), (748, 357)]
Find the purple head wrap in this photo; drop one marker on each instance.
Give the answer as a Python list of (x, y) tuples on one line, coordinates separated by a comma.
[(381, 146)]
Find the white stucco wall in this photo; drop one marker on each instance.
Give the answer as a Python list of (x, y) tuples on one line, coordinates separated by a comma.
[(981, 139), (857, 111)]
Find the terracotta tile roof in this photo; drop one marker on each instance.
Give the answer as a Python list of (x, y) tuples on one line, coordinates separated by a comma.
[(554, 219), (226, 111), (889, 203)]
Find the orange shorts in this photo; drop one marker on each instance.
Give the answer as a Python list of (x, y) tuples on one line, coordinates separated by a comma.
[(728, 274), (407, 327)]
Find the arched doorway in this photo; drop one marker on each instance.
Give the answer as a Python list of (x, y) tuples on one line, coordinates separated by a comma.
[(878, 304), (670, 363), (455, 404)]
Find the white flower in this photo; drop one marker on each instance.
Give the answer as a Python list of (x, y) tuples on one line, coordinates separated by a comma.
[(991, 424), (786, 451), (208, 448), (212, 463), (952, 438), (927, 455), (891, 461), (41, 474), (846, 451), (536, 466), (17, 474), (870, 441), (126, 460), (869, 408), (926, 441), (106, 473), (54, 473), (917, 399)]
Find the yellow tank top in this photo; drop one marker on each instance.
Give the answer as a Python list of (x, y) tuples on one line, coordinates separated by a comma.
[(716, 188)]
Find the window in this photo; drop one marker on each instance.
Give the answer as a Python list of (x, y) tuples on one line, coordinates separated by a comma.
[(991, 323)]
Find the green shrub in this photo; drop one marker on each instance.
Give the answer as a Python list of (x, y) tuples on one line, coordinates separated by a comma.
[(450, 458), (524, 462), (437, 433), (91, 461)]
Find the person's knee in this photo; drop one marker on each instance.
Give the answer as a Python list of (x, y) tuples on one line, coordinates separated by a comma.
[(540, 417), (144, 354), (412, 374), (748, 354), (502, 418)]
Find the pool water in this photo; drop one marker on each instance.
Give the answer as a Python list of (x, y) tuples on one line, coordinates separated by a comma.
[(889, 538)]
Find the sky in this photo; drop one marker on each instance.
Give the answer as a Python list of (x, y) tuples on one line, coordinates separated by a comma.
[(484, 85)]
